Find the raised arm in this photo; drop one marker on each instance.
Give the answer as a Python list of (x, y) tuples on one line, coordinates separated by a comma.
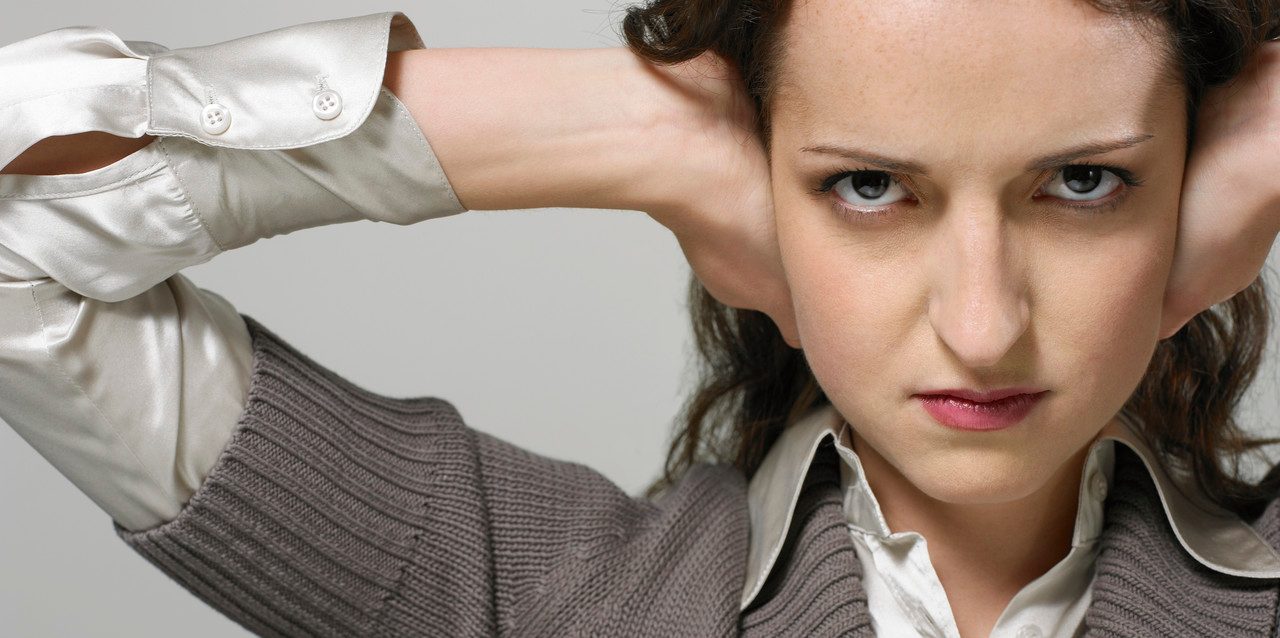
[(132, 388), (594, 128), (553, 121), (306, 504), (236, 126), (571, 128)]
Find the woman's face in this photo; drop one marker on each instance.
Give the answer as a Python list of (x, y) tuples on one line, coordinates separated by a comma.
[(971, 268)]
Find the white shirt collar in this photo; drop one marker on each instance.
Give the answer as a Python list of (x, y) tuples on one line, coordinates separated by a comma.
[(1216, 538)]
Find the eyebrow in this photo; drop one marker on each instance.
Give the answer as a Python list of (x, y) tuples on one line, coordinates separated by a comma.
[(1054, 160)]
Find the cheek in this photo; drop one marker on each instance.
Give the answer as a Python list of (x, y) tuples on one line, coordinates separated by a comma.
[(859, 309), (1099, 316)]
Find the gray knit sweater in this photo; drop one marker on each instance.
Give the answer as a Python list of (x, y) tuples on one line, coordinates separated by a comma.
[(335, 511)]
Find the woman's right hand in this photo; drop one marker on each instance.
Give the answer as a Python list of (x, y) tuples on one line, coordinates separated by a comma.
[(722, 212), (713, 173)]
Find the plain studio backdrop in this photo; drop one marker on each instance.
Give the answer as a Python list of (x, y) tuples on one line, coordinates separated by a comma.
[(562, 331)]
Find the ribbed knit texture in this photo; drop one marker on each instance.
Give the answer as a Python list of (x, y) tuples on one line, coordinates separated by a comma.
[(1146, 584), (335, 511), (815, 589)]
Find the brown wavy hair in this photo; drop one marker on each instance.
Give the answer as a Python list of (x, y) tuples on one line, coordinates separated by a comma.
[(751, 384)]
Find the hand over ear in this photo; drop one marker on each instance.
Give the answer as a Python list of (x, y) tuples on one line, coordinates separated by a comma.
[(723, 215), (1230, 210)]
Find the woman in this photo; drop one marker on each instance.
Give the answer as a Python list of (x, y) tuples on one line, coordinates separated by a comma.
[(902, 239)]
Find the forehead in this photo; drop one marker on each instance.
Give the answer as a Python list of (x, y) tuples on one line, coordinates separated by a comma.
[(997, 71)]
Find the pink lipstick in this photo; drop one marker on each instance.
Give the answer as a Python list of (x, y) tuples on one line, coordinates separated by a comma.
[(969, 410)]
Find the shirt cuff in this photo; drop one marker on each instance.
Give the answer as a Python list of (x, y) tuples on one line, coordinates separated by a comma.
[(253, 166), (286, 88), (290, 87)]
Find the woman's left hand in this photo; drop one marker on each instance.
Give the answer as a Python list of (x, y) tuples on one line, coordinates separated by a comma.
[(1230, 210)]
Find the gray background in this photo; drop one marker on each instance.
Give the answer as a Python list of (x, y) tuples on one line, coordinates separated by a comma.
[(563, 331)]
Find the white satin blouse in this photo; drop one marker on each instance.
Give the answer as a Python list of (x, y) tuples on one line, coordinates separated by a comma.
[(129, 379)]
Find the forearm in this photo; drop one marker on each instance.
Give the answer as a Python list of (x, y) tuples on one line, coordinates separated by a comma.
[(514, 128), (519, 128)]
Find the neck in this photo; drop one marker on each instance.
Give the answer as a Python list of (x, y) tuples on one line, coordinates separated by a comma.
[(1009, 544)]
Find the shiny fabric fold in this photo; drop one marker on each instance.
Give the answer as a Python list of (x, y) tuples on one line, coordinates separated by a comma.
[(118, 369)]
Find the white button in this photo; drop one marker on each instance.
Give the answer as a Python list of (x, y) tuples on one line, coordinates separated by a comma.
[(215, 119), (327, 105), (1029, 631), (1098, 483)]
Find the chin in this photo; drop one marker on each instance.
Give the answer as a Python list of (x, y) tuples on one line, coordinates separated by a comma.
[(971, 468), (973, 477), (978, 485)]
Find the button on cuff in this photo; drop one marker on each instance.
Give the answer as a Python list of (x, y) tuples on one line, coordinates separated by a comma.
[(215, 119), (327, 105), (270, 80)]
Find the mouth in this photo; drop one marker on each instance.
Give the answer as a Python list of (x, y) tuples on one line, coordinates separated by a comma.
[(980, 411)]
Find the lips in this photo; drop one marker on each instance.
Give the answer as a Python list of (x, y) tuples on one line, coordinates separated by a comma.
[(972, 410), (977, 396)]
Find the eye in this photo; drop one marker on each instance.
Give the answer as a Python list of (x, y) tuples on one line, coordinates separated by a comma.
[(1087, 182), (868, 194), (867, 188)]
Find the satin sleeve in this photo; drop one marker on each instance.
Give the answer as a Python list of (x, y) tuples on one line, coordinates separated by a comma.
[(116, 368)]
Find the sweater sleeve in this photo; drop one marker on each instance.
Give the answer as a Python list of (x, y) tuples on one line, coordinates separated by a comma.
[(336, 511)]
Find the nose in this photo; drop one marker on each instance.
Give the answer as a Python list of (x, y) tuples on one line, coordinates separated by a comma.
[(978, 305)]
